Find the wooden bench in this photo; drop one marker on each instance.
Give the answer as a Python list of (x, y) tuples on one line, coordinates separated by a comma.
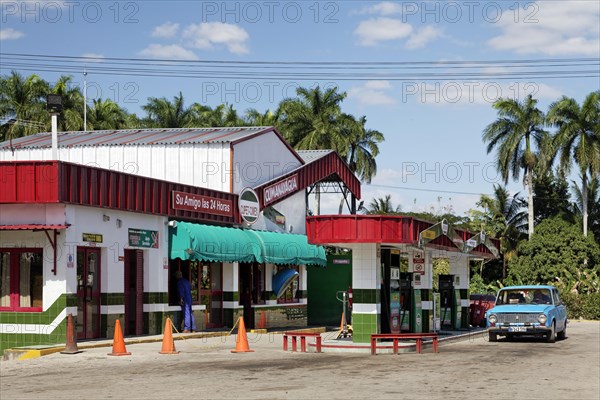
[(396, 337), (303, 336)]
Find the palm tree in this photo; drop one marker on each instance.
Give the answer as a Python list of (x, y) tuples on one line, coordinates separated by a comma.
[(382, 205), (311, 121), (268, 118), (593, 204), (578, 139), (163, 113), (220, 116), (22, 99), (518, 125), (106, 114), (505, 219), (364, 147), (71, 116)]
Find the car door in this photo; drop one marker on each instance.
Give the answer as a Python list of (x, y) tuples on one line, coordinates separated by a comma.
[(561, 311)]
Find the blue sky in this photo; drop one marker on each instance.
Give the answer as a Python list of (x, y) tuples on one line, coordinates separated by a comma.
[(433, 156)]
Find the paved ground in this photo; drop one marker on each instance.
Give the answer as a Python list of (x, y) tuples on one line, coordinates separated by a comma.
[(206, 369)]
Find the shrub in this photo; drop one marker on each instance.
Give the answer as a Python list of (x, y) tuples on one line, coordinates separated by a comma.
[(584, 305)]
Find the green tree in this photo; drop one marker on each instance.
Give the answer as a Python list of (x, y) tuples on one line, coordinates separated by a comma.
[(551, 195), (363, 150), (382, 205), (254, 117), (518, 128), (163, 113), (311, 121), (504, 218), (578, 139), (557, 251), (593, 201), (71, 116), (22, 99), (106, 114)]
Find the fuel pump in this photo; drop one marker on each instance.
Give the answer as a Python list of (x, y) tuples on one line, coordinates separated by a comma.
[(395, 301), (447, 314), (406, 292)]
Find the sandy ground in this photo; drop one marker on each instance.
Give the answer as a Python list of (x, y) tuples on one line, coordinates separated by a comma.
[(206, 369)]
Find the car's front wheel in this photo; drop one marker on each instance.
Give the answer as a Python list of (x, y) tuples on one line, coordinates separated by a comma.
[(550, 336), (493, 337)]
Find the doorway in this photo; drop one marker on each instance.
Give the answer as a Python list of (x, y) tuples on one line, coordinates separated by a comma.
[(134, 292), (211, 292), (88, 293)]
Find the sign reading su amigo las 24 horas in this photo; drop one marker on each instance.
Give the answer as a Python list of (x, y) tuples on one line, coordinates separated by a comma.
[(202, 204)]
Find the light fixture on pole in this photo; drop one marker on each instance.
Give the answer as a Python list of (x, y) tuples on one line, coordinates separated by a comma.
[(54, 107)]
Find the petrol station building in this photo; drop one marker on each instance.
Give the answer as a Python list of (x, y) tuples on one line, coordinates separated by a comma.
[(99, 230)]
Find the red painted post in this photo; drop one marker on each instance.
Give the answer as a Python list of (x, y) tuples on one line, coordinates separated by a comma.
[(285, 342), (303, 343), (395, 345), (294, 343)]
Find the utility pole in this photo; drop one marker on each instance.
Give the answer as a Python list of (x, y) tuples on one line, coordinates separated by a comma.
[(84, 99)]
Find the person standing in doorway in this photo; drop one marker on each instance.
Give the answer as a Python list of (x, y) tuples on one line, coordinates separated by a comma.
[(184, 289)]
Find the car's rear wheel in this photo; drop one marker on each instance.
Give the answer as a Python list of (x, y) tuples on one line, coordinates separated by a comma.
[(562, 334), (550, 336), (493, 337)]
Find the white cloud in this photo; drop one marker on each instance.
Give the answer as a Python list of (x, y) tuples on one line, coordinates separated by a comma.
[(372, 93), (10, 34), (375, 30), (207, 35), (552, 28), (172, 51), (166, 30), (383, 8), (423, 36)]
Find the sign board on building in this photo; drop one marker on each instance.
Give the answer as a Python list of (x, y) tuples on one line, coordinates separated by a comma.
[(345, 261), (201, 204), (92, 237), (143, 238), (418, 257), (280, 189), (249, 205)]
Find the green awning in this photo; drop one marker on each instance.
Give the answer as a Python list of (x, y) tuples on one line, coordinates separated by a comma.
[(287, 248), (213, 243)]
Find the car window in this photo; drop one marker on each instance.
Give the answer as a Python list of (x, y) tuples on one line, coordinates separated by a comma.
[(524, 296), (556, 297)]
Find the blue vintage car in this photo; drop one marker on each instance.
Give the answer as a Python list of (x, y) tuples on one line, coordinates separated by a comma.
[(528, 310)]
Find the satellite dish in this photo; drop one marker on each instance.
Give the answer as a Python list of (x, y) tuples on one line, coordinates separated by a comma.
[(282, 280)]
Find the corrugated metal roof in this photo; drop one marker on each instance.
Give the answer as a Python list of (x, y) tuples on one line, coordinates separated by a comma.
[(309, 156), (30, 227), (162, 136)]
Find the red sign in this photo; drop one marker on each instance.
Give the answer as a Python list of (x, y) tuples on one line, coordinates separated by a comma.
[(201, 204), (280, 189)]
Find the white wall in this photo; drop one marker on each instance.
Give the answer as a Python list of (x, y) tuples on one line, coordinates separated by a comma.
[(260, 159), (115, 241), (203, 165)]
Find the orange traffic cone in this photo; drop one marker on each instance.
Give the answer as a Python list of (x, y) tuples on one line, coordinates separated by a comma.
[(168, 345), (71, 347), (241, 343), (118, 342), (263, 321)]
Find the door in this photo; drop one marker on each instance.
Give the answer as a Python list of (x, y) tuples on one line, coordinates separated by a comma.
[(134, 292), (88, 293), (211, 293)]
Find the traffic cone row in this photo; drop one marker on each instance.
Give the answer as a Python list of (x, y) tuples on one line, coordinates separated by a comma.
[(168, 344)]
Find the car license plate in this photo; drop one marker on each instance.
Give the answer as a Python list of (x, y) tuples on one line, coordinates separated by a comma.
[(517, 329)]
